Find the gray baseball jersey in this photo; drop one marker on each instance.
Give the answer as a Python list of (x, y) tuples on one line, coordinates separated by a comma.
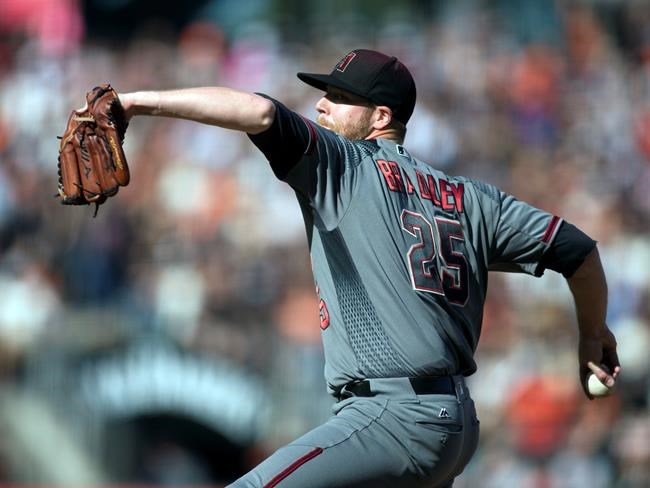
[(400, 251)]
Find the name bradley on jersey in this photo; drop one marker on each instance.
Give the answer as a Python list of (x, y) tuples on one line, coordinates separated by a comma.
[(441, 193)]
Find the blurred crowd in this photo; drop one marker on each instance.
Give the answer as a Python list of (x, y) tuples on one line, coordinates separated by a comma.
[(206, 249)]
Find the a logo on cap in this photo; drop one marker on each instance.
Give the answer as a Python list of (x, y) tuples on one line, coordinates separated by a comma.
[(345, 61)]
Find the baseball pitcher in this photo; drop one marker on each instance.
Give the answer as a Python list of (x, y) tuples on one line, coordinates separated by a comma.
[(401, 254)]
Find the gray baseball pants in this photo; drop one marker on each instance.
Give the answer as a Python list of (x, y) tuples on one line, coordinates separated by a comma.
[(394, 438)]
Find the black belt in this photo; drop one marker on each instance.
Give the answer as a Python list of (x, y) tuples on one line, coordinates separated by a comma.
[(430, 385)]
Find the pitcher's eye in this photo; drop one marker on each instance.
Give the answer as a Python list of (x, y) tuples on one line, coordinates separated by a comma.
[(335, 97)]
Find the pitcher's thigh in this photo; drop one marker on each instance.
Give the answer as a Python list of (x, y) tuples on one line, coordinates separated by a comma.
[(357, 448)]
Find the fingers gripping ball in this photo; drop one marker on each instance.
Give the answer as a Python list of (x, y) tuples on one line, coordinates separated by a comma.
[(92, 165), (597, 388)]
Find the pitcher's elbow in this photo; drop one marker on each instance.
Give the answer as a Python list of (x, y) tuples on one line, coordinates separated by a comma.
[(265, 117)]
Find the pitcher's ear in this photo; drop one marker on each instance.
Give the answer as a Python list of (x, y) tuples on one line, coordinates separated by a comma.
[(383, 117)]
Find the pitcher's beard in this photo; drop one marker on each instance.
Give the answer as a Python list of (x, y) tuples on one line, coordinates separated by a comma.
[(356, 130)]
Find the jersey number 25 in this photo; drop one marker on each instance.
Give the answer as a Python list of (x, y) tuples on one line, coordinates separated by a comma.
[(447, 277)]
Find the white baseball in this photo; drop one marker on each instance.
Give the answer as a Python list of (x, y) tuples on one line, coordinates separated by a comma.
[(596, 388)]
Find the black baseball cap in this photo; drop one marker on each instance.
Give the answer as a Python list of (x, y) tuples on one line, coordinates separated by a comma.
[(382, 79)]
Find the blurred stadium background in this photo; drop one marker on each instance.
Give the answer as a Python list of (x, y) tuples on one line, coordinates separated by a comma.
[(174, 339)]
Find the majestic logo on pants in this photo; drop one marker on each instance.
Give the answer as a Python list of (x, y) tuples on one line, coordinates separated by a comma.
[(444, 414)]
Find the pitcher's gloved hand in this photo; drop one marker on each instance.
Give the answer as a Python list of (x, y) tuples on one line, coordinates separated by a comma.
[(92, 165)]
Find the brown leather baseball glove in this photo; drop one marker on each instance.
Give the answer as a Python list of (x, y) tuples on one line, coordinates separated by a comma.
[(92, 165)]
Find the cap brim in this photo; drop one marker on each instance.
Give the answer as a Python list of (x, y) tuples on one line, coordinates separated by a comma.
[(315, 80), (323, 81)]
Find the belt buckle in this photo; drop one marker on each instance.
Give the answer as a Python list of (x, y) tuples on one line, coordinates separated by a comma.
[(344, 393), (355, 388)]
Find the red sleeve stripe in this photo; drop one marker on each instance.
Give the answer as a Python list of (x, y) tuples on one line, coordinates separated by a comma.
[(313, 137), (550, 230), (293, 466)]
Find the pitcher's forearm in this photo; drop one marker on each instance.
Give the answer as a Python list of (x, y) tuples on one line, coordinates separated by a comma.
[(589, 288), (223, 107)]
